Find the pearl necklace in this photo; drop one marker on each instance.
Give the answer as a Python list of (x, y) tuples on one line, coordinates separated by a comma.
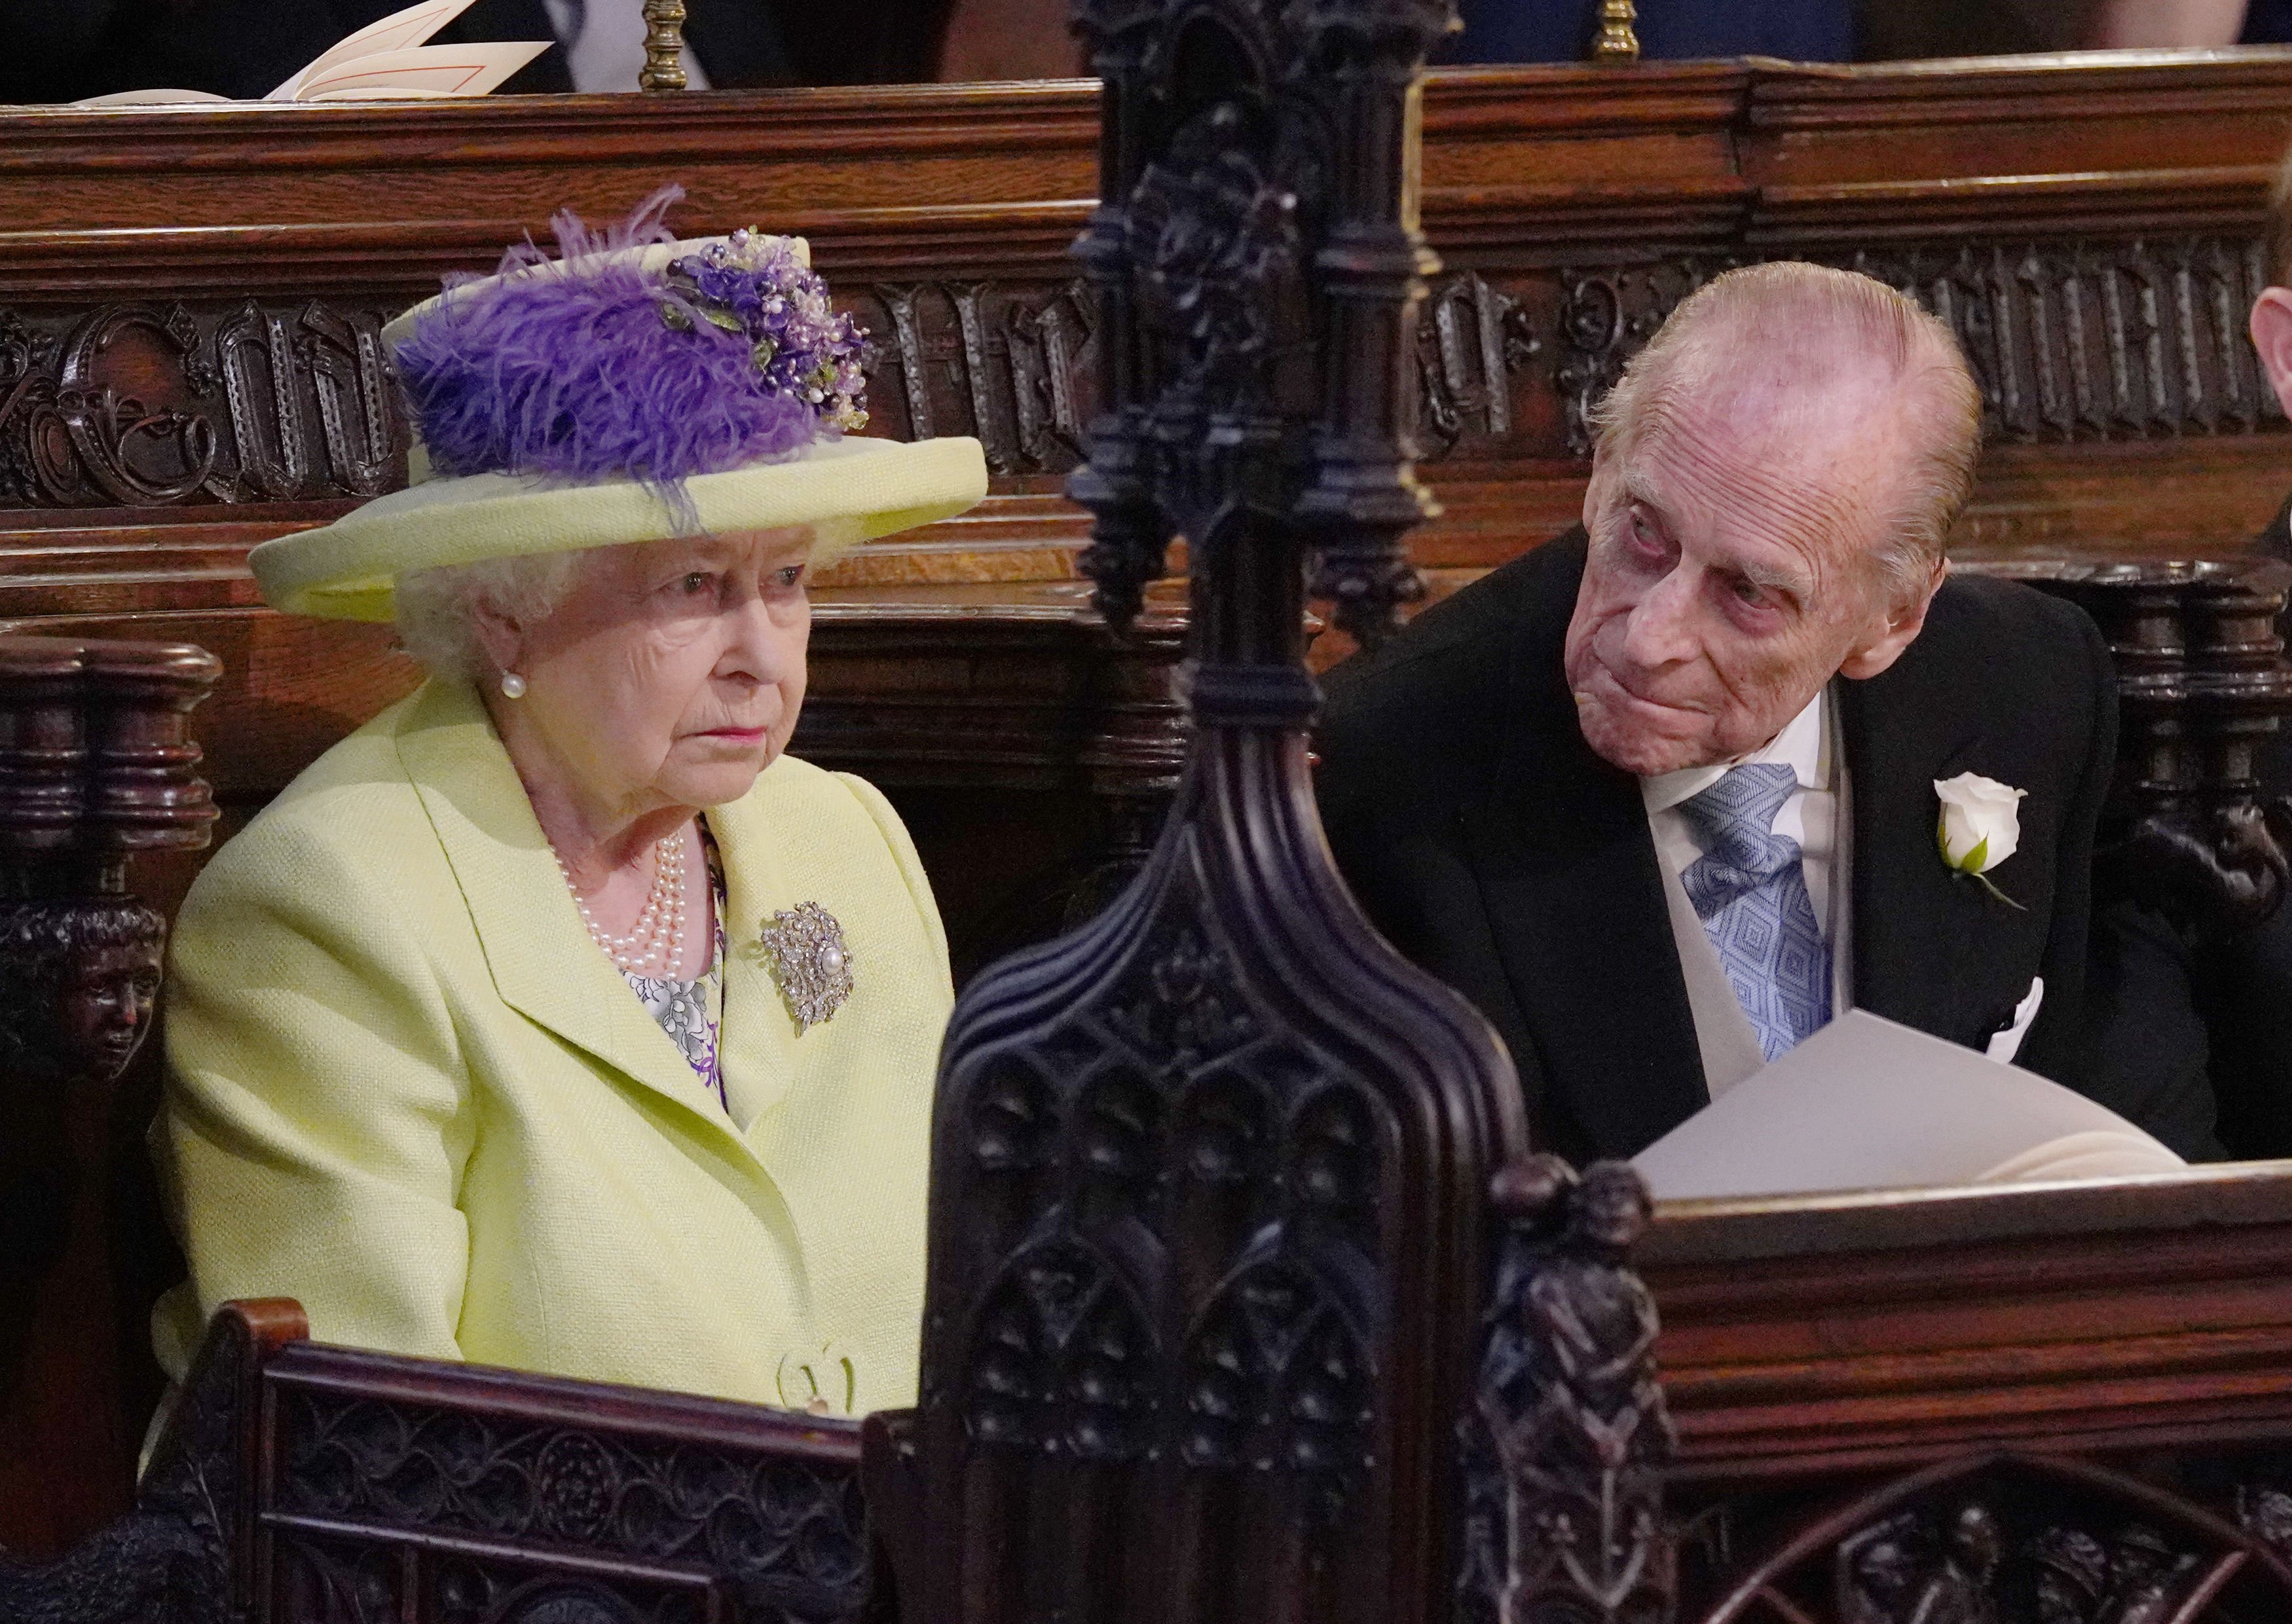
[(651, 947)]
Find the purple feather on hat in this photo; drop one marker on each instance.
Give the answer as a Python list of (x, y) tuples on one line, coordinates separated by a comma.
[(604, 371)]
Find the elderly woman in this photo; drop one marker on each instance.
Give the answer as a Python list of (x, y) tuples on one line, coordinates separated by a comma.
[(557, 1018)]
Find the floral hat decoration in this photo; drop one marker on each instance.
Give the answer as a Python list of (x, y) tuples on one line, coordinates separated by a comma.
[(635, 388)]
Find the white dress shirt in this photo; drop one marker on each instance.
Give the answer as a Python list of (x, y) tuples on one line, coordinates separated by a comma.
[(1816, 817)]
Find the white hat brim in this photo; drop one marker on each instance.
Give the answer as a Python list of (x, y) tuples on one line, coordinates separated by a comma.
[(848, 490)]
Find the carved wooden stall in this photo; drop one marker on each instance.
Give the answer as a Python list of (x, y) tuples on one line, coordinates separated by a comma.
[(189, 300), (188, 365)]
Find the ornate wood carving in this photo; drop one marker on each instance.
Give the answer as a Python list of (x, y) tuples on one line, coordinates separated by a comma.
[(94, 769), (183, 1554), (2017, 1540), (1471, 341), (1207, 1175), (303, 1484), (138, 406), (2201, 680), (398, 1489), (2074, 341), (1009, 363), (1566, 1437)]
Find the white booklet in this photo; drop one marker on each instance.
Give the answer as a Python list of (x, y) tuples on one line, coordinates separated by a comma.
[(1868, 1104), (382, 60)]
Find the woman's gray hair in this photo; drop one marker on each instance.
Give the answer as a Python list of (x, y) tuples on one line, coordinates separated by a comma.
[(438, 608)]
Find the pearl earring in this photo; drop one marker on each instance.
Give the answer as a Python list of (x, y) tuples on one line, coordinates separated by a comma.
[(513, 685)]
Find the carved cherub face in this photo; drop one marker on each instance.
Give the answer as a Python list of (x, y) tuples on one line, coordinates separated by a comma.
[(77, 980), (1612, 1206), (104, 1006)]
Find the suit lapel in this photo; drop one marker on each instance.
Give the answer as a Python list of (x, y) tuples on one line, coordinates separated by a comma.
[(1568, 871), (535, 943), (1931, 949)]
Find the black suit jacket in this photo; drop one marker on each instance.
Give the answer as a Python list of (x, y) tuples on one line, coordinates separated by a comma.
[(1493, 847)]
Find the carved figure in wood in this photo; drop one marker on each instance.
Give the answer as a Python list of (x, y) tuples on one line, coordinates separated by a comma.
[(94, 767), (1906, 1571), (2041, 1540), (1567, 1437), (77, 983), (2202, 687)]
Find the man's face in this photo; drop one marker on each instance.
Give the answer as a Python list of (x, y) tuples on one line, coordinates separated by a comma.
[(1731, 571)]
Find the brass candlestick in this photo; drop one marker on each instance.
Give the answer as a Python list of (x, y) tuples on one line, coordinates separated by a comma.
[(1617, 41), (664, 68)]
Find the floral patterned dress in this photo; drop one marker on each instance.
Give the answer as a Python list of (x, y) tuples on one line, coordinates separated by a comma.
[(692, 1012)]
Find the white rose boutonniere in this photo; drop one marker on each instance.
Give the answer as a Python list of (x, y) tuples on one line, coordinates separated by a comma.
[(1981, 826)]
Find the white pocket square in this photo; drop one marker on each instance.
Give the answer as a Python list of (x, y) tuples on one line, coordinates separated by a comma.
[(2005, 1045)]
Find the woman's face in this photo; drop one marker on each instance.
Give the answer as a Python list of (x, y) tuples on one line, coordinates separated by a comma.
[(670, 672)]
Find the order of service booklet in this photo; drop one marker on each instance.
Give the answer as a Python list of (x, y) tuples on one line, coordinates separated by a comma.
[(1866, 1104), (384, 59)]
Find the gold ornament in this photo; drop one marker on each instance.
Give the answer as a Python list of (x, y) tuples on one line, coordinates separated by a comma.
[(663, 67), (1618, 41)]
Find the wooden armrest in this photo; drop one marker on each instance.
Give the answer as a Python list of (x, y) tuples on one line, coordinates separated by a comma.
[(294, 1477)]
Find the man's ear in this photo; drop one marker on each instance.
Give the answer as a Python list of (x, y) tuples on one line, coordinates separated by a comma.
[(2271, 335), (1884, 644)]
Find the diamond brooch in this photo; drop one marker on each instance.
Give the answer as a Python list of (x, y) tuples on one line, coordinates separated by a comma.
[(806, 950)]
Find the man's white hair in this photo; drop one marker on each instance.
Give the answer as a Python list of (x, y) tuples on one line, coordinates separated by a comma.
[(1793, 300), (438, 608)]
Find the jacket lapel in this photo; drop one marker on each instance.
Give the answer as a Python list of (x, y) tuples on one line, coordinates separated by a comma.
[(756, 1046), (535, 943), (1931, 949), (1569, 872)]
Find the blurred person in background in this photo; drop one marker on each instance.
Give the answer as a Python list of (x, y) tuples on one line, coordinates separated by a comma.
[(2161, 24), (62, 50), (1562, 31)]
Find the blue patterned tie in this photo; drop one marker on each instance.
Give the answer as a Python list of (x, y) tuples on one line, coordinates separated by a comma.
[(1749, 890)]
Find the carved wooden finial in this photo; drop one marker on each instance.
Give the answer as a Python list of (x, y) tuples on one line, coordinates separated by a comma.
[(1207, 1175), (663, 67), (94, 767), (93, 760), (1618, 39)]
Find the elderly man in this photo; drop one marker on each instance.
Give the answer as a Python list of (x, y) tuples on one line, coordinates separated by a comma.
[(1661, 796)]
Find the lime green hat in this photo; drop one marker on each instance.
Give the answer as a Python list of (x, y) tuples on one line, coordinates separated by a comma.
[(636, 388)]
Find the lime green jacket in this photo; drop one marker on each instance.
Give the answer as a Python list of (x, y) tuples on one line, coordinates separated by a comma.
[(407, 1090)]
